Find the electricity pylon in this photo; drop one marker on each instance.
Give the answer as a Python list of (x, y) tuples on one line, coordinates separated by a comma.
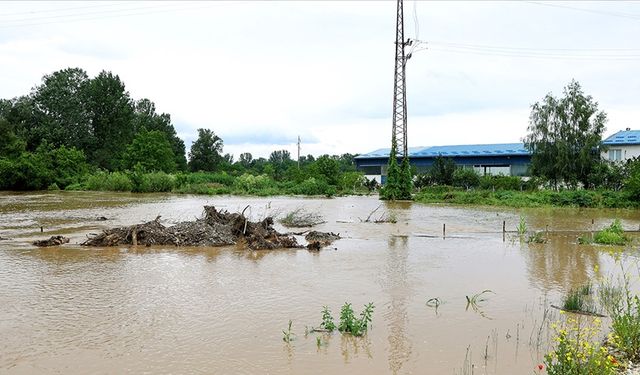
[(400, 86)]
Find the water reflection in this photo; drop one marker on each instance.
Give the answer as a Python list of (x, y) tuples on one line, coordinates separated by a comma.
[(395, 284), (560, 263)]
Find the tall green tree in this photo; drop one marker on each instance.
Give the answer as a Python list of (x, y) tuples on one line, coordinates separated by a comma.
[(565, 137), (146, 118), (111, 111), (398, 184), (442, 170), (152, 151), (205, 152), (281, 161), (63, 117), (246, 159)]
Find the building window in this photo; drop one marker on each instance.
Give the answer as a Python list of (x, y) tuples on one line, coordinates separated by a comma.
[(615, 155)]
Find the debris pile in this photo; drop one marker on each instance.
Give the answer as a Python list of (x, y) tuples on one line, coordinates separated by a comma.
[(216, 228), (317, 240), (53, 241)]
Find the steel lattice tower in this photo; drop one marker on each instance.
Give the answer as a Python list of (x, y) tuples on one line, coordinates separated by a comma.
[(399, 131)]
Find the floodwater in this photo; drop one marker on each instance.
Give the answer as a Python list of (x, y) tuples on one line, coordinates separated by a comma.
[(160, 310)]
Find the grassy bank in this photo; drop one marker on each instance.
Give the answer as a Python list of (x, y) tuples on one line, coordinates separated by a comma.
[(209, 184), (539, 198)]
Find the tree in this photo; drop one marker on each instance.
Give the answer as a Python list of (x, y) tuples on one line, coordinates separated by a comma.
[(146, 118), (396, 186), (61, 110), (10, 144), (111, 112), (152, 151), (280, 160), (565, 137), (328, 168), (205, 151), (442, 170), (245, 159)]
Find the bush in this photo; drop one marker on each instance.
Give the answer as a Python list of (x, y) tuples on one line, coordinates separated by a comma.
[(466, 178), (612, 235), (157, 182), (501, 182), (313, 186), (109, 181), (222, 178), (248, 183)]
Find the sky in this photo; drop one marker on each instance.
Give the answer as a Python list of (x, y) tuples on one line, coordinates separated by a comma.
[(261, 73)]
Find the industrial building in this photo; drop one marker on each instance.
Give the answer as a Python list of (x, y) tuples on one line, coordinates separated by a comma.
[(509, 159)]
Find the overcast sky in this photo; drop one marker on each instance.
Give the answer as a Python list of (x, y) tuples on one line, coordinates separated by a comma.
[(262, 73)]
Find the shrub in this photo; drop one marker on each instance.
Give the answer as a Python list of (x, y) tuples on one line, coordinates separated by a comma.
[(612, 235), (157, 182), (466, 178), (501, 182), (109, 181), (248, 183)]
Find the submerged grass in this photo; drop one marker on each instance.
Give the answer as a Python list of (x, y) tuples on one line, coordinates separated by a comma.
[(540, 198)]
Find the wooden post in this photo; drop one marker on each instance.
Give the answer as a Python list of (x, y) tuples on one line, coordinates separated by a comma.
[(444, 230), (134, 237), (504, 226), (41, 229)]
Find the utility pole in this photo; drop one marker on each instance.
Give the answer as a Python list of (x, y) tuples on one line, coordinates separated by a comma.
[(298, 152), (400, 85)]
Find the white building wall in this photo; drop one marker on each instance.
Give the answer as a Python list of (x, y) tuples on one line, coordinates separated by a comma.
[(626, 152)]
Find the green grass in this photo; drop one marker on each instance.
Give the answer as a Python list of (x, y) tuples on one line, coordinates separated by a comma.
[(612, 235), (518, 199), (580, 300)]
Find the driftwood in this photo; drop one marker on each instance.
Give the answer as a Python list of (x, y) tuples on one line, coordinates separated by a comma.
[(53, 241), (216, 228), (317, 240), (580, 312)]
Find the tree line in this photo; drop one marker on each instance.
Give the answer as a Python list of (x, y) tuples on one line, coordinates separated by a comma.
[(71, 126)]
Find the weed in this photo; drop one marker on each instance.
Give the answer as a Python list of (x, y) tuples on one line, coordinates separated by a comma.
[(522, 226), (300, 218), (537, 237), (434, 302), (578, 351), (625, 321), (579, 300), (327, 320), (612, 235), (584, 240), (349, 323), (288, 336), (476, 300)]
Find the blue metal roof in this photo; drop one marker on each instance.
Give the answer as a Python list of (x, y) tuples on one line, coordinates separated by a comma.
[(624, 137), (501, 149)]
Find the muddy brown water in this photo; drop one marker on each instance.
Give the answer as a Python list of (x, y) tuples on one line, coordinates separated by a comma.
[(160, 310)]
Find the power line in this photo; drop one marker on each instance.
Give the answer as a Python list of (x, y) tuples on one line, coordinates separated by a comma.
[(54, 10), (152, 10), (594, 11)]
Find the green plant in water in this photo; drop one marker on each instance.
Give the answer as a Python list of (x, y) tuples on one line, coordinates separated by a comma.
[(537, 237), (288, 335), (584, 240), (579, 300), (612, 235), (327, 320), (434, 303), (476, 299), (522, 226), (349, 323)]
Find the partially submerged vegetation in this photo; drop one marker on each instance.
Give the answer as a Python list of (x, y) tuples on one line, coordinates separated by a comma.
[(611, 235), (356, 325), (301, 218)]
